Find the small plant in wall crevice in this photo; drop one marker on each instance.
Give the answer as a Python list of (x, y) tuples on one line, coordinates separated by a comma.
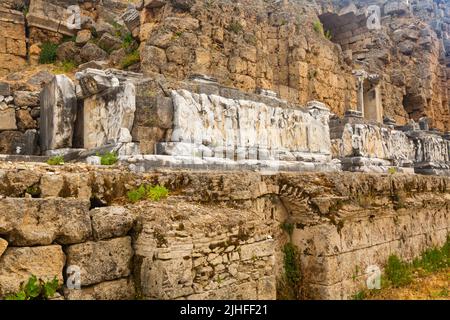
[(35, 289)]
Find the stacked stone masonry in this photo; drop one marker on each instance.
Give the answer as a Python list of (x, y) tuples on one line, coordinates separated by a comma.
[(217, 237)]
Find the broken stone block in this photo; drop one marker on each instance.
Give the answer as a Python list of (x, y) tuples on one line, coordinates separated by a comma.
[(4, 89), (41, 78), (154, 3), (101, 116), (28, 222), (109, 42), (18, 264), (93, 81), (100, 65), (122, 289), (8, 119), (91, 51), (67, 51), (3, 246), (101, 261), (58, 112), (83, 37), (26, 98), (9, 140), (396, 7), (131, 18), (110, 222), (154, 112), (25, 120), (125, 136)]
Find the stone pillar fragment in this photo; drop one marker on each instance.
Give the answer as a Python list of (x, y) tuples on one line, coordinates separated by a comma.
[(102, 116), (58, 113)]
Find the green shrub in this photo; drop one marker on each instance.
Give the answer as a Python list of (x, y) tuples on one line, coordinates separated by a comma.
[(127, 40), (288, 228), (108, 159), (154, 193), (398, 273), (360, 295), (318, 27), (35, 289), (48, 53), (235, 27), (56, 161), (157, 193), (436, 259), (66, 66), (130, 59), (289, 287)]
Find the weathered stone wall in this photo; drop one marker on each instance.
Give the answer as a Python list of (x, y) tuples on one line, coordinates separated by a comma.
[(363, 147), (217, 236), (247, 45), (13, 47), (19, 111), (408, 50)]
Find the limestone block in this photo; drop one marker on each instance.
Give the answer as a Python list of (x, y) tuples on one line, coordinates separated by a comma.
[(26, 98), (214, 121), (93, 81), (101, 261), (122, 289), (83, 37), (58, 112), (257, 250), (131, 18), (24, 120), (5, 89), (396, 7), (109, 42), (51, 16), (15, 142), (3, 246), (154, 112), (8, 119), (18, 264), (91, 51), (27, 222), (102, 116), (68, 50), (110, 222)]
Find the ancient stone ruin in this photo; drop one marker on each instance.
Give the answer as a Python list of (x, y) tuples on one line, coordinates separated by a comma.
[(332, 117)]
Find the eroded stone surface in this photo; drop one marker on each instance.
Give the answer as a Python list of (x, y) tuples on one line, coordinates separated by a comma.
[(110, 222), (122, 289), (58, 112), (27, 222), (18, 264), (101, 261)]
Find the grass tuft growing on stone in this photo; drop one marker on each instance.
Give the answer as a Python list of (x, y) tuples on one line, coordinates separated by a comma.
[(148, 192), (235, 27), (130, 59), (56, 161), (109, 159)]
